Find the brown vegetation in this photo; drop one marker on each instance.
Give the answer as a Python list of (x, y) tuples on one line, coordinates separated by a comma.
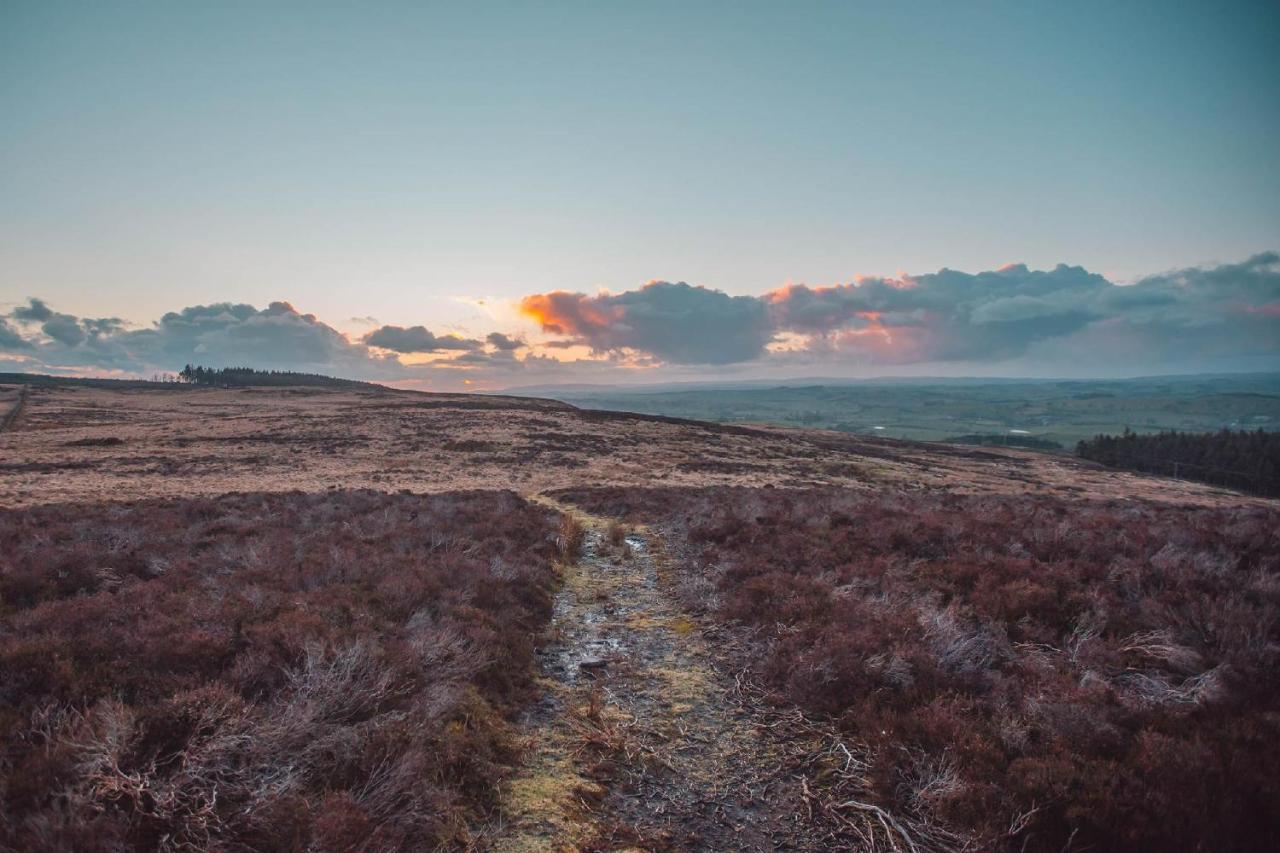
[(571, 538), (75, 444), (1026, 673), (1003, 654), (267, 672), (11, 405), (616, 533)]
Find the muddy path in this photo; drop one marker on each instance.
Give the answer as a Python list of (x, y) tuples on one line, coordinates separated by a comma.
[(643, 741)]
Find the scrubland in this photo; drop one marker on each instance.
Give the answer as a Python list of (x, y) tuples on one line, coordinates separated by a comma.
[(270, 619), (77, 444), (1028, 674), (264, 671)]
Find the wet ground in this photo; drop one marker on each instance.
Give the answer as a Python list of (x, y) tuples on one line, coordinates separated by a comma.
[(641, 742)]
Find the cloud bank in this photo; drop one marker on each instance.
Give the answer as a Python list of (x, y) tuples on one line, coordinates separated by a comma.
[(1225, 312), (277, 336), (1036, 322), (35, 337)]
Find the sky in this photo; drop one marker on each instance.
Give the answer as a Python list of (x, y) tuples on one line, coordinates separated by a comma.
[(487, 195)]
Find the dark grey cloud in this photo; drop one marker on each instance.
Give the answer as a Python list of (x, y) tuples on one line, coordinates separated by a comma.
[(678, 322), (241, 334), (1222, 313), (504, 359), (64, 329), (944, 316), (35, 311), (10, 339), (499, 341), (102, 326), (417, 339)]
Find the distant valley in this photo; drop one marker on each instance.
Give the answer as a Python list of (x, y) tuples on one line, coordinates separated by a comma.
[(1037, 413)]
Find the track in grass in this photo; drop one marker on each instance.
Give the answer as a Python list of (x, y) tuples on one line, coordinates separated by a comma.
[(642, 739)]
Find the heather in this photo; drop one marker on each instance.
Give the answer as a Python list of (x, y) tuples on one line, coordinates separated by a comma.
[(1023, 673), (326, 671)]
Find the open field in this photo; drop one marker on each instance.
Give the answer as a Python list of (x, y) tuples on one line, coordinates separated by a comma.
[(1061, 412), (78, 444), (365, 619)]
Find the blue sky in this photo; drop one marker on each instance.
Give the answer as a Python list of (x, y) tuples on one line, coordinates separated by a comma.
[(436, 164)]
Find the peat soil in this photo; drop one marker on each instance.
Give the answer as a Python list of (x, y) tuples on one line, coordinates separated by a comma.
[(645, 738)]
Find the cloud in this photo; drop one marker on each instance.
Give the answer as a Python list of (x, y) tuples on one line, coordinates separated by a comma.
[(1009, 315), (1013, 319), (943, 316), (499, 341), (504, 359), (240, 334), (416, 339), (278, 337), (677, 323), (64, 329), (217, 335), (102, 326), (35, 311), (1227, 312), (10, 339)]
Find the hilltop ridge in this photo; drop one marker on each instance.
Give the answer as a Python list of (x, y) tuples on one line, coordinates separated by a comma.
[(80, 441)]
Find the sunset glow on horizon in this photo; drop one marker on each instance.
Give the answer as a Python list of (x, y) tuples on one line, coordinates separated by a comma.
[(519, 195)]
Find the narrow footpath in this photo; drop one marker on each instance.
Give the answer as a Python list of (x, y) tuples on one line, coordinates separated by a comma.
[(641, 741)]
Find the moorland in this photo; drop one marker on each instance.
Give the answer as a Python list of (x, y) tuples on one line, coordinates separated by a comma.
[(358, 618)]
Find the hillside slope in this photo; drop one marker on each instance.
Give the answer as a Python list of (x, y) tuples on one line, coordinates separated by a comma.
[(82, 443), (651, 633)]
